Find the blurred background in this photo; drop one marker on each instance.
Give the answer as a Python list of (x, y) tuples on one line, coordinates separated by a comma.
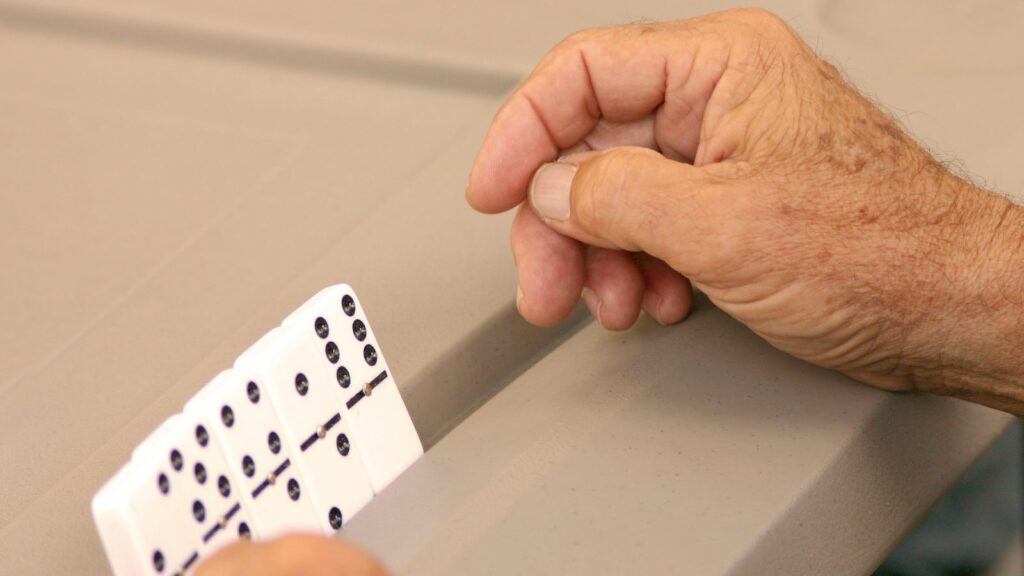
[(133, 130), (976, 527)]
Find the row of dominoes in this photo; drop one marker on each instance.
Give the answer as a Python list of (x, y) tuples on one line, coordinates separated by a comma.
[(298, 436)]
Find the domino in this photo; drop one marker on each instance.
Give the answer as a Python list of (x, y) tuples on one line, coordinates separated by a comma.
[(352, 358), (185, 452), (139, 520), (313, 422), (247, 428), (298, 436)]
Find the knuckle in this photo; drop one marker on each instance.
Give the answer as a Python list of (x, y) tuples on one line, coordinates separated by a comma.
[(584, 201), (762, 19), (611, 190), (767, 32), (579, 38), (643, 28), (602, 177), (568, 47)]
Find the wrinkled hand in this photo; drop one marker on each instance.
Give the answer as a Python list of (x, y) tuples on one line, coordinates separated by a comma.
[(295, 555), (721, 151)]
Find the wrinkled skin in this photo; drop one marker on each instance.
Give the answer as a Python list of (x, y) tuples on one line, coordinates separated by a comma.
[(722, 152)]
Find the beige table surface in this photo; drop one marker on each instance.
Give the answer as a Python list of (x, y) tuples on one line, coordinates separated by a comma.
[(177, 176)]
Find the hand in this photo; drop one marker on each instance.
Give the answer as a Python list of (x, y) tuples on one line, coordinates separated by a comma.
[(721, 151), (295, 555)]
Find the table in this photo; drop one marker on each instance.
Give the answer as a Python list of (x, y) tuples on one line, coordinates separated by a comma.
[(177, 176)]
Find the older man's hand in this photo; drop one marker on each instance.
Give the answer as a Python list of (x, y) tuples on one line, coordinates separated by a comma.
[(721, 151)]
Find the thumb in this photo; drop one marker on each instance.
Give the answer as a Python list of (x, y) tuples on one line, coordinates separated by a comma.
[(631, 199)]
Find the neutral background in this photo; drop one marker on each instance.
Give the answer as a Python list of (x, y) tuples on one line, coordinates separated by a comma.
[(176, 176)]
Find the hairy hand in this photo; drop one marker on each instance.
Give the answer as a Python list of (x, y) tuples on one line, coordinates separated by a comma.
[(722, 152)]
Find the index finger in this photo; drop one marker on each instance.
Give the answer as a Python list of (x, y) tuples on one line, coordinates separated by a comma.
[(618, 74)]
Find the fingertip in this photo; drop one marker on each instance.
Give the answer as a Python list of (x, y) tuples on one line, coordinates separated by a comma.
[(479, 197), (516, 144), (675, 307), (667, 310), (615, 288), (550, 270), (483, 195), (469, 195), (617, 318), (309, 554), (537, 315), (593, 302), (668, 295), (538, 311), (651, 304)]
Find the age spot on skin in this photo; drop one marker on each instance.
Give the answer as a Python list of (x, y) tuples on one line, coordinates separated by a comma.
[(867, 215)]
